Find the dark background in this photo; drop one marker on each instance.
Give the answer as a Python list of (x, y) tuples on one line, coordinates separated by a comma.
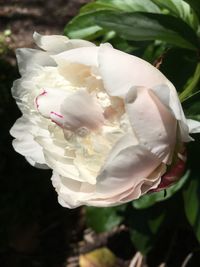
[(34, 229)]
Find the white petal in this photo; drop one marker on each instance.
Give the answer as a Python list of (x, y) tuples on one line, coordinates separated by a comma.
[(28, 59), (169, 97), (81, 110), (49, 101), (126, 169), (85, 55), (120, 71), (194, 126), (152, 122), (25, 143), (58, 43)]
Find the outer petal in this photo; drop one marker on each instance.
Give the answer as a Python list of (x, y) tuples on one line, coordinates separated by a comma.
[(29, 59), (85, 55), (133, 71), (130, 167), (169, 97), (152, 122), (58, 43), (194, 126), (25, 143), (120, 71)]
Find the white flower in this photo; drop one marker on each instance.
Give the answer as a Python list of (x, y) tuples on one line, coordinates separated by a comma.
[(107, 123)]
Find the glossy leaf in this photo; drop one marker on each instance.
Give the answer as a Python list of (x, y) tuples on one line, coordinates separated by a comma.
[(191, 106), (191, 86), (122, 5), (83, 27), (195, 4), (144, 227), (192, 204), (180, 9), (104, 219), (140, 26)]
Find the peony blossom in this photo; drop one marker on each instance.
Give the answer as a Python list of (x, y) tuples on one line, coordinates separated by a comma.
[(107, 123)]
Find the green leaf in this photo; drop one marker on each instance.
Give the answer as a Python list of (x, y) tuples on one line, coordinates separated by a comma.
[(180, 9), (104, 219), (122, 5), (144, 227), (172, 66), (141, 26), (151, 199), (191, 197), (191, 84), (195, 4), (191, 106), (84, 27)]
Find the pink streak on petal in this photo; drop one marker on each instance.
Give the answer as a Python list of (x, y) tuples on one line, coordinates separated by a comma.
[(57, 114), (37, 97)]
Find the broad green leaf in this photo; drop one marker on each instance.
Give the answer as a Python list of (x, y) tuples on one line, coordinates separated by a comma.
[(172, 66), (180, 9), (83, 27), (104, 219), (151, 199), (191, 106), (191, 196), (191, 85), (195, 4), (144, 227), (122, 5), (140, 26)]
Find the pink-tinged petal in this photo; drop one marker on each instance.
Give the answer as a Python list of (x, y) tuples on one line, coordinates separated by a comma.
[(126, 169), (152, 122), (29, 59), (120, 71), (49, 101), (169, 97), (84, 55), (71, 193), (25, 143), (58, 43), (174, 174), (82, 110)]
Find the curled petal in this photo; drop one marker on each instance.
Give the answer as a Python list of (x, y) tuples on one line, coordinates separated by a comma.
[(58, 43), (152, 122), (25, 143), (29, 59), (128, 72), (194, 126)]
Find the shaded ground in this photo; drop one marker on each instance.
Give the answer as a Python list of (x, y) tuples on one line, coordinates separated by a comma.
[(23, 17)]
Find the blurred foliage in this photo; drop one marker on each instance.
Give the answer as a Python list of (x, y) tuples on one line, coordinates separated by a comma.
[(167, 34)]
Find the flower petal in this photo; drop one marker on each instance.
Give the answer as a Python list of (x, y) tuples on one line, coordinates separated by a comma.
[(58, 43), (82, 110), (194, 126), (152, 122), (84, 55), (126, 168), (25, 143), (28, 59), (121, 71)]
